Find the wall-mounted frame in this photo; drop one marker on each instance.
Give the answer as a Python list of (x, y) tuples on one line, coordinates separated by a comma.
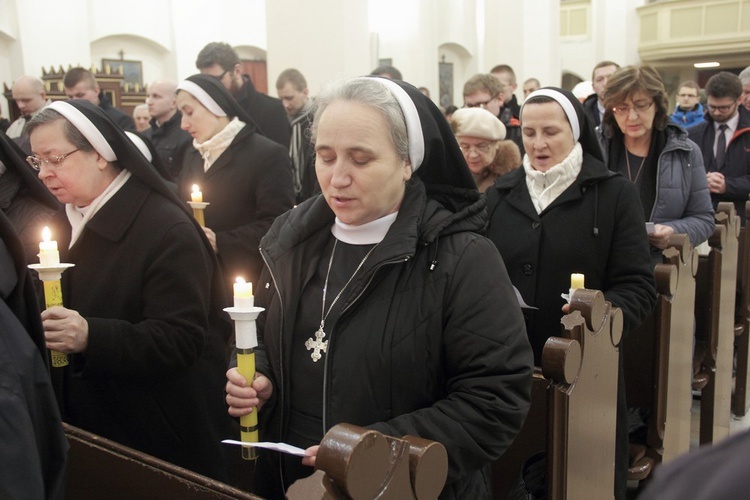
[(132, 71)]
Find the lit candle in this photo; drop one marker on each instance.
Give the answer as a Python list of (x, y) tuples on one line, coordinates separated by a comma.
[(243, 294), (48, 254), (196, 196), (576, 281)]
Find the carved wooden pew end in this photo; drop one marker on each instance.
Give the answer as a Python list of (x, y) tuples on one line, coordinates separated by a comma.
[(359, 463)]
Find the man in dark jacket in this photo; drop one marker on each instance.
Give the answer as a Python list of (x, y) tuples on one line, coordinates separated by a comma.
[(485, 91), (220, 60), (724, 139), (33, 448), (594, 104), (168, 138), (80, 83)]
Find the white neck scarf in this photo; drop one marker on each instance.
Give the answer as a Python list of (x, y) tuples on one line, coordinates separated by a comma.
[(79, 216), (545, 187), (365, 234), (211, 149)]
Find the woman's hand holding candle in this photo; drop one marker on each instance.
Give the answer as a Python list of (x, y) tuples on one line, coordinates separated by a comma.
[(241, 399), (65, 330)]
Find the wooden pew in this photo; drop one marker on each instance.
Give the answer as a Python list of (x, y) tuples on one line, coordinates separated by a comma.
[(573, 410), (714, 316), (100, 468), (741, 396), (354, 462), (658, 361)]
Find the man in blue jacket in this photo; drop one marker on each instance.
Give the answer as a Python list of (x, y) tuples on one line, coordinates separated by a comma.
[(689, 110)]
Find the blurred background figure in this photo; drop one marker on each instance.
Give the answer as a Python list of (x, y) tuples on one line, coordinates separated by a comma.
[(291, 87), (165, 133), (688, 111), (141, 117), (31, 98), (387, 72), (529, 86), (583, 90), (80, 83), (481, 138)]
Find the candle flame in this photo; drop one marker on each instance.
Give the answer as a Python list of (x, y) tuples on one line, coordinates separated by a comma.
[(196, 188), (46, 234), (240, 280)]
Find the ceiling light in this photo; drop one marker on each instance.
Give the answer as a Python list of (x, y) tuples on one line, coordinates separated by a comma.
[(712, 64)]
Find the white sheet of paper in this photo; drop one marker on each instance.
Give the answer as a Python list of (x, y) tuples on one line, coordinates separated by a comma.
[(282, 447)]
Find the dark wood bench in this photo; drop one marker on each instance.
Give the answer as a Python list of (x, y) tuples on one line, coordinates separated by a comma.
[(573, 410), (658, 361), (741, 396), (100, 468), (714, 316)]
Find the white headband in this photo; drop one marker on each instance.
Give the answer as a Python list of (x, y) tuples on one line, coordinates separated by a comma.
[(85, 127), (140, 145), (566, 105), (413, 124), (197, 91)]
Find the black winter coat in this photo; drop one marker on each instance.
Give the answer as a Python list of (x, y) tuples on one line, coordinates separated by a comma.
[(152, 374), (124, 121), (170, 142), (736, 167), (430, 341), (33, 448), (267, 112), (247, 187), (594, 227)]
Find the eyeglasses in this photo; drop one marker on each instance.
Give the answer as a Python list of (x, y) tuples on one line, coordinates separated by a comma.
[(721, 109), (52, 161), (639, 107), (482, 104), (483, 147)]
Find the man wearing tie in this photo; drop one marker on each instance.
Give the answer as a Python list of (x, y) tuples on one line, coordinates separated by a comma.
[(724, 139)]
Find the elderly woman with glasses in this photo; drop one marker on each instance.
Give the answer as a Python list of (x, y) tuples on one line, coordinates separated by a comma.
[(140, 321), (480, 137), (641, 142)]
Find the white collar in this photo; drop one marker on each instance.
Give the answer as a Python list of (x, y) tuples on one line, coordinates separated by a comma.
[(369, 233), (731, 124)]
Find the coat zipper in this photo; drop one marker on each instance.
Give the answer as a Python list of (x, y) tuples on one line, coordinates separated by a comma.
[(330, 337)]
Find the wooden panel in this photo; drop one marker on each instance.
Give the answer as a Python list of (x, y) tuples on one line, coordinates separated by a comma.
[(685, 22), (721, 18)]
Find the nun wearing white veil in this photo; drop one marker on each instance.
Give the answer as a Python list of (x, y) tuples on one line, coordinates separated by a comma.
[(139, 320)]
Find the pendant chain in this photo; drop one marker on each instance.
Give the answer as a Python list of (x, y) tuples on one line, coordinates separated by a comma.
[(637, 174)]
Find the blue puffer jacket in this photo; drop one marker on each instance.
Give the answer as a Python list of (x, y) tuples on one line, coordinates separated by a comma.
[(682, 198), (688, 118)]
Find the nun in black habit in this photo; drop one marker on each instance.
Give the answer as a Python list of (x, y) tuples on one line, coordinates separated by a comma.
[(564, 212), (245, 177), (384, 307), (140, 320)]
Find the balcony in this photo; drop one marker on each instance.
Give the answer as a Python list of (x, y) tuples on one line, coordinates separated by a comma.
[(691, 30)]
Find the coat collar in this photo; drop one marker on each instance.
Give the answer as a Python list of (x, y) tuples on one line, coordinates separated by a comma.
[(117, 215), (225, 158)]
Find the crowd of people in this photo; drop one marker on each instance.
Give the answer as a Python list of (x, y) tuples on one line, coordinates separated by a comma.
[(391, 247)]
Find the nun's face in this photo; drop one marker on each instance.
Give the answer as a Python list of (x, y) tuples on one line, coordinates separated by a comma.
[(547, 136), (80, 177), (360, 174), (198, 121)]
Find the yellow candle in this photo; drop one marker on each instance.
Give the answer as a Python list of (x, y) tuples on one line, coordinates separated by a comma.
[(196, 196), (576, 281), (48, 254), (243, 294)]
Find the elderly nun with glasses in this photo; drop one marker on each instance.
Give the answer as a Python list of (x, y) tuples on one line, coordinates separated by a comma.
[(564, 213), (641, 142), (384, 307), (139, 321)]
